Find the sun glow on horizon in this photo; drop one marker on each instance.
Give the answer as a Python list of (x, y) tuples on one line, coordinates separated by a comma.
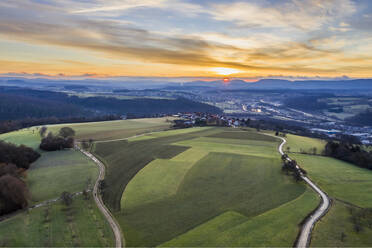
[(225, 71)]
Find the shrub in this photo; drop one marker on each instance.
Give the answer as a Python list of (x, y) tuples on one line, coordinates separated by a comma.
[(22, 156), (13, 194), (54, 143)]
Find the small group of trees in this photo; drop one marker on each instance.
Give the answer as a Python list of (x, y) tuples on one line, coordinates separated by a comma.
[(290, 167), (14, 161), (349, 152), (64, 139), (21, 156), (13, 192), (277, 133)]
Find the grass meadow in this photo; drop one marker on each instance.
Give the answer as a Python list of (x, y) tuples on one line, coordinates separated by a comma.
[(234, 229), (328, 232), (349, 186), (339, 179), (55, 172), (162, 187), (55, 225), (118, 129), (29, 137), (301, 143)]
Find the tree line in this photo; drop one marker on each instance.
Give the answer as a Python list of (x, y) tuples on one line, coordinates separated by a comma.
[(14, 161), (12, 125), (349, 152), (20, 103)]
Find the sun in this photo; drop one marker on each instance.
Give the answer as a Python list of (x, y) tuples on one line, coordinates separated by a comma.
[(225, 71)]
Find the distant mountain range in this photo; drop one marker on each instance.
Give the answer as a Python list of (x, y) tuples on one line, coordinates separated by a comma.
[(276, 84), (263, 84)]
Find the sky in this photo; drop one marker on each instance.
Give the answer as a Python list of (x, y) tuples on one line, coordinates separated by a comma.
[(186, 38)]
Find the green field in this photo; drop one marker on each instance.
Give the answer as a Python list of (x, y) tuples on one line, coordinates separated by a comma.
[(52, 174), (328, 231), (120, 129), (81, 224), (348, 185), (303, 144), (339, 179), (234, 229), (168, 133), (55, 172), (29, 137), (180, 180), (124, 159)]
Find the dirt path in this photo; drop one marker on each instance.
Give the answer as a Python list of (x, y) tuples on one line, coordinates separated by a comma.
[(305, 234), (41, 204), (119, 239)]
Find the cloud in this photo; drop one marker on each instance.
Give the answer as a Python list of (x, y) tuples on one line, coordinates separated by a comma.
[(304, 14), (257, 52), (116, 8)]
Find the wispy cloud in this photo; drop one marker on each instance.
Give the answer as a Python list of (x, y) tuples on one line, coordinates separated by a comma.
[(117, 6), (305, 14), (309, 36)]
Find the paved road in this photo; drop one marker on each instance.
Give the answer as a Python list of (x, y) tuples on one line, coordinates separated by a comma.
[(119, 239), (305, 235)]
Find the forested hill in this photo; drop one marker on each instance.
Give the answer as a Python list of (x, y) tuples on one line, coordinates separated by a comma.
[(20, 103)]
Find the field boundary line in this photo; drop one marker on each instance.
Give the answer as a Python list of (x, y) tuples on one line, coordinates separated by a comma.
[(143, 134)]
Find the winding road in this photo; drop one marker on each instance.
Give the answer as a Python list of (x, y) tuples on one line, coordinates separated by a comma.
[(303, 238), (119, 239), (305, 235)]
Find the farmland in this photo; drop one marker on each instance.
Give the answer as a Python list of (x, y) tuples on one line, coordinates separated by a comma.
[(58, 225), (53, 172), (162, 187), (80, 224), (29, 137), (304, 144), (115, 129), (337, 222), (234, 229), (350, 188), (60, 171), (339, 179)]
